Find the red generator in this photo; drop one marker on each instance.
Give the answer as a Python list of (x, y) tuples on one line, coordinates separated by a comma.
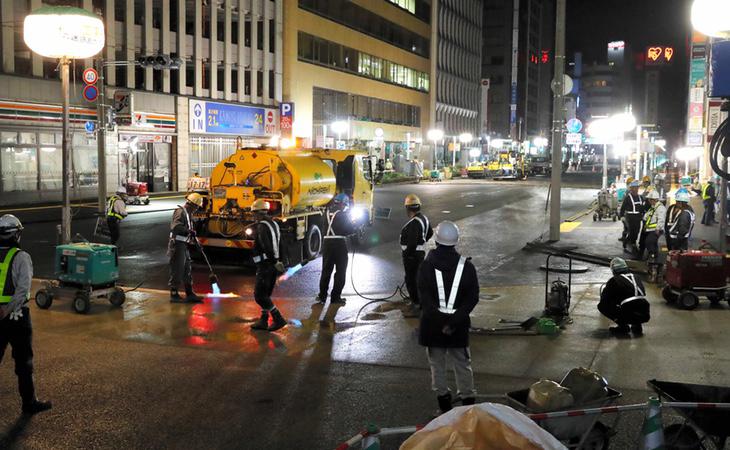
[(695, 273), (137, 193)]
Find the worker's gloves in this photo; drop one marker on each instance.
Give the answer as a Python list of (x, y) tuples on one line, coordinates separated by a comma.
[(16, 314), (279, 266)]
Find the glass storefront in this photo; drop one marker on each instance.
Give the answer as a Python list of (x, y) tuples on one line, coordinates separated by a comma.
[(31, 161), (146, 159)]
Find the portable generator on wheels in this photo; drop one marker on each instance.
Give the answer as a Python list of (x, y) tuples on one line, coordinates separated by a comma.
[(557, 293), (84, 271), (695, 273)]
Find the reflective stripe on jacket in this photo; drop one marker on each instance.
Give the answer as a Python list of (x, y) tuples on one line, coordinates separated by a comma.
[(6, 283), (110, 211)]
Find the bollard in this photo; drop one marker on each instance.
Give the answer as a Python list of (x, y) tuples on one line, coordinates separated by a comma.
[(652, 431)]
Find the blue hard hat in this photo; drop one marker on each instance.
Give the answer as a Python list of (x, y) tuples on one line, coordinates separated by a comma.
[(342, 199), (634, 183)]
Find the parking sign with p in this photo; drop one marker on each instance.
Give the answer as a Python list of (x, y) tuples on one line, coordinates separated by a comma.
[(286, 119)]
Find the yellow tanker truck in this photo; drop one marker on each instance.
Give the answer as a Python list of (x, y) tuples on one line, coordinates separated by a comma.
[(298, 184)]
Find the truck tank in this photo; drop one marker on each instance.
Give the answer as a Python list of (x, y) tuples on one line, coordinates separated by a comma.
[(304, 180)]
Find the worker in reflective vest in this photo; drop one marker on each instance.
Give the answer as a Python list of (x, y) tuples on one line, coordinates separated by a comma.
[(413, 237), (652, 227), (182, 234), (334, 251), (267, 257), (632, 210), (708, 201), (680, 222), (116, 211), (449, 290), (623, 300), (16, 276)]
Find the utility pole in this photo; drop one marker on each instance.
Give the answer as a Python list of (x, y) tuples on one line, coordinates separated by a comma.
[(558, 119), (66, 157), (101, 139)]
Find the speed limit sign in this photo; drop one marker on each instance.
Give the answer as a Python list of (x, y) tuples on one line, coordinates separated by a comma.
[(90, 76)]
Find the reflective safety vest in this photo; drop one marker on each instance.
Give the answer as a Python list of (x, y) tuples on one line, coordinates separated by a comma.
[(638, 294), (7, 289), (649, 224), (110, 208), (634, 208), (673, 220), (330, 221), (444, 306), (275, 237), (423, 221), (704, 191)]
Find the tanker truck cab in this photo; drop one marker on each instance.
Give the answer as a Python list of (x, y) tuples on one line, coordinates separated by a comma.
[(299, 185)]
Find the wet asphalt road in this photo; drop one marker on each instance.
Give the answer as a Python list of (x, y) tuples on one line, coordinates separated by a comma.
[(497, 219)]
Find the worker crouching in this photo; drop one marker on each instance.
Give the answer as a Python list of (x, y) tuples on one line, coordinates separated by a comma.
[(182, 233), (448, 290), (623, 300), (413, 237), (334, 249), (268, 267)]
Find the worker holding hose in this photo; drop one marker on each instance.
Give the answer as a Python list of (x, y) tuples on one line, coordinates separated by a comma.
[(334, 250), (266, 256), (182, 233), (413, 237), (116, 211)]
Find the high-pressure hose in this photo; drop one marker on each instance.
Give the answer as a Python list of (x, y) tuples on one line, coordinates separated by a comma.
[(371, 300), (720, 145)]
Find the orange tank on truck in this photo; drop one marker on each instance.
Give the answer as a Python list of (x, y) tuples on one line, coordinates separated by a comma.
[(299, 185)]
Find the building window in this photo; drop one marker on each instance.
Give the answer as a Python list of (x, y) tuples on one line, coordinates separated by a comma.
[(329, 106), (272, 36), (260, 35), (271, 84), (247, 33), (358, 18), (260, 84), (247, 82), (331, 54)]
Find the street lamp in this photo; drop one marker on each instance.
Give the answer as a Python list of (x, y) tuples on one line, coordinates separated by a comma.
[(66, 33), (435, 135), (712, 17), (340, 127), (687, 154), (464, 138), (603, 129)]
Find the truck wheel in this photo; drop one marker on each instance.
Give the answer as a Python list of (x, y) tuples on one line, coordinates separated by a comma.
[(312, 242), (43, 299), (117, 297), (688, 300), (81, 303)]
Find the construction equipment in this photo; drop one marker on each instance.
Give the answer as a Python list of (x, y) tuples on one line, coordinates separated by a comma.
[(84, 271), (137, 193), (696, 273), (509, 165), (298, 184), (476, 170), (557, 293), (607, 206)]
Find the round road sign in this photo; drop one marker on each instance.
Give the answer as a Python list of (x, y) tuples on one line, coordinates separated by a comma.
[(90, 76), (90, 93), (574, 125)]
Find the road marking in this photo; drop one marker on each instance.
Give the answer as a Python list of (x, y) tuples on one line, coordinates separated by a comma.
[(567, 227), (469, 206), (446, 212)]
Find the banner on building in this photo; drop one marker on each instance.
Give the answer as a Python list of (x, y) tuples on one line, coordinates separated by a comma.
[(228, 118), (696, 109)]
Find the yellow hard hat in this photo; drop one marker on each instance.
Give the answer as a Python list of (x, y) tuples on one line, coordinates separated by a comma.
[(260, 205), (412, 200), (195, 199), (629, 180), (646, 179)]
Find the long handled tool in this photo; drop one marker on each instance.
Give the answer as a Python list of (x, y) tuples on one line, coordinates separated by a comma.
[(212, 278)]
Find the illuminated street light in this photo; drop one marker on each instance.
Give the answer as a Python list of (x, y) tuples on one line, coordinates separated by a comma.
[(66, 33), (340, 127), (712, 17), (435, 135), (687, 154), (540, 142), (604, 129), (475, 152), (497, 143), (465, 138), (624, 122)]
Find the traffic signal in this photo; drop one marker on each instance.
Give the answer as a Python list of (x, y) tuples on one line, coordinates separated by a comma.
[(160, 61)]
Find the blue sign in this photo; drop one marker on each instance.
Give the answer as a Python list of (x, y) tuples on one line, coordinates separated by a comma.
[(227, 118), (89, 126), (574, 125), (286, 109)]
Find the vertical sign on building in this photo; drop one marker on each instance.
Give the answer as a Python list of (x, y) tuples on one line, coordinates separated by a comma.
[(286, 119), (484, 129), (515, 66), (696, 110)]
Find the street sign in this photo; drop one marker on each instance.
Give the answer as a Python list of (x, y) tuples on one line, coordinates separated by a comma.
[(89, 126), (567, 85), (573, 139), (90, 76), (340, 145), (286, 119), (574, 125), (90, 93)]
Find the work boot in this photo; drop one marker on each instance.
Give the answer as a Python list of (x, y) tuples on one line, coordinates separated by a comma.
[(175, 296), (320, 298), (278, 322), (262, 323), (338, 300), (191, 296), (444, 403), (36, 406), (637, 329), (620, 330)]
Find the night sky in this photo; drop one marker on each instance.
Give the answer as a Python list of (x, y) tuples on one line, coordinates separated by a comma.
[(591, 24)]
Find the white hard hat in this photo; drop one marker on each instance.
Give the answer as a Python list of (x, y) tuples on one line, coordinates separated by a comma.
[(9, 226), (447, 233), (121, 190), (682, 197), (652, 195)]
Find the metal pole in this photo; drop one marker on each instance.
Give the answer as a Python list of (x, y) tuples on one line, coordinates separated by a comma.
[(453, 157), (66, 156), (723, 210), (604, 180), (101, 140), (646, 164), (638, 151), (558, 116)]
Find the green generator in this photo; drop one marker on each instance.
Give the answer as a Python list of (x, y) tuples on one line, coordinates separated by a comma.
[(87, 264), (84, 271)]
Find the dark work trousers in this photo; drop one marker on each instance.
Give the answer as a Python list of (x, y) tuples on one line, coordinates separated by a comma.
[(708, 218), (411, 265), (678, 243), (634, 225), (180, 268), (334, 256), (649, 242), (19, 334), (266, 275), (633, 312), (113, 224)]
